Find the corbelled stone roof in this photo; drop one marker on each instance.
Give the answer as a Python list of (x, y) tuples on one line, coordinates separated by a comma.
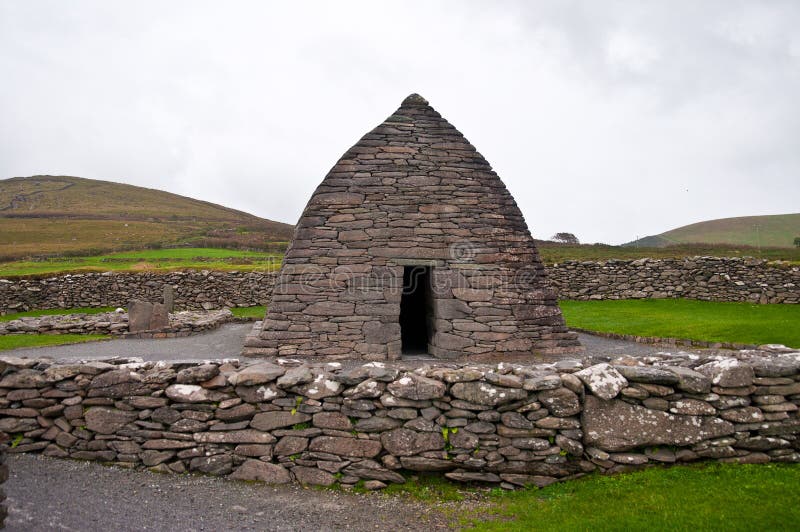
[(412, 191)]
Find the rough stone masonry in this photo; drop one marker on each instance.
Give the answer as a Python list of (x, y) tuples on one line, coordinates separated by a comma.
[(412, 243), (324, 423)]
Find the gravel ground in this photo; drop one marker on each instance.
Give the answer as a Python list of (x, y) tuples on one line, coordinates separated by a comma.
[(51, 494), (224, 342), (597, 345), (227, 341)]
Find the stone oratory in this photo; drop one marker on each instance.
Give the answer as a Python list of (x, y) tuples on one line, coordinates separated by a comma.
[(412, 245)]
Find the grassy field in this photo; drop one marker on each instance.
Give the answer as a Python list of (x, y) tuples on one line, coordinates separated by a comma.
[(15, 341), (250, 312), (778, 230), (145, 260), (57, 215), (683, 318), (552, 253), (709, 497), (230, 259)]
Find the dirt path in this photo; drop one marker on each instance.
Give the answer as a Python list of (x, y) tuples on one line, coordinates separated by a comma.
[(51, 494)]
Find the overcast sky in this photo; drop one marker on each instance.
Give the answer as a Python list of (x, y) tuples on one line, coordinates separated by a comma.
[(610, 120)]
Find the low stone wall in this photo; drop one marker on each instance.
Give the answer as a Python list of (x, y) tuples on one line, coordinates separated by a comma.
[(323, 424), (3, 477), (181, 323), (194, 290), (704, 278)]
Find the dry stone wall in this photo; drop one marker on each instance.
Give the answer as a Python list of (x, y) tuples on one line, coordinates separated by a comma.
[(3, 477), (193, 290), (324, 424), (704, 278), (181, 323)]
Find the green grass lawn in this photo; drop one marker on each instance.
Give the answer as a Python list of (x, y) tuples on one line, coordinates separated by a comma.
[(708, 497), (15, 341), (149, 260), (552, 253), (228, 259), (257, 312), (683, 318)]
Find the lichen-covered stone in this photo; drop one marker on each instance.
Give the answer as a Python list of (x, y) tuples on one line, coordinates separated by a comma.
[(560, 402), (482, 393), (417, 388), (728, 373), (188, 393), (256, 374), (405, 442), (618, 426), (603, 380)]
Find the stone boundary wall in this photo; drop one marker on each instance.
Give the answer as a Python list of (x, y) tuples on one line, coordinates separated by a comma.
[(324, 424), (194, 290), (704, 278), (183, 323), (3, 477)]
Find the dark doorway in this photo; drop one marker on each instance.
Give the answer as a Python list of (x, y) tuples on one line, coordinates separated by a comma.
[(414, 306)]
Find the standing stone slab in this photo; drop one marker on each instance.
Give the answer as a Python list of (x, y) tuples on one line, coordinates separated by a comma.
[(159, 319), (139, 315), (169, 297)]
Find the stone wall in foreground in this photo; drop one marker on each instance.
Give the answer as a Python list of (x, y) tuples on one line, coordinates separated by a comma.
[(194, 290), (704, 278), (323, 424), (3, 478)]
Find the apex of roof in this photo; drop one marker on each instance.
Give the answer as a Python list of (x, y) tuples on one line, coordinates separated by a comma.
[(414, 99)]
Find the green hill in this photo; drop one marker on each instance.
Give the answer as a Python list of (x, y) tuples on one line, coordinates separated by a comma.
[(776, 231), (52, 215)]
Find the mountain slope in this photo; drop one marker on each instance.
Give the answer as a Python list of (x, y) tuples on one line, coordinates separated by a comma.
[(44, 215), (777, 230)]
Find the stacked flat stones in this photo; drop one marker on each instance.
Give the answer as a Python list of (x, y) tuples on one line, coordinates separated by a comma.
[(181, 323), (193, 290), (324, 424), (704, 278), (413, 191), (3, 477)]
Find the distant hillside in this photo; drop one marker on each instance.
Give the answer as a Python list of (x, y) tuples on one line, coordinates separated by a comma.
[(47, 215), (778, 231)]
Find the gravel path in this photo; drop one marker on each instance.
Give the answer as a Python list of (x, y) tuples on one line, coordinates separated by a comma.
[(227, 341), (598, 345), (224, 342), (51, 494)]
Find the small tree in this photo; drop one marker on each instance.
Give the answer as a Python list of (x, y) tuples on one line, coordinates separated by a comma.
[(565, 238), (797, 241)]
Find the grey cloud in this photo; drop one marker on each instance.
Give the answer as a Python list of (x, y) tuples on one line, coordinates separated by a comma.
[(606, 119)]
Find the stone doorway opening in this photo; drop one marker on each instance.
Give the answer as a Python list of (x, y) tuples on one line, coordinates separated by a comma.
[(416, 305)]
